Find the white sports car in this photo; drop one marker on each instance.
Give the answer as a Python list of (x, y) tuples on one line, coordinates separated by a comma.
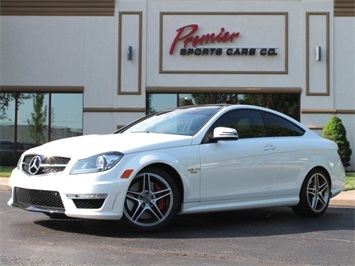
[(186, 160)]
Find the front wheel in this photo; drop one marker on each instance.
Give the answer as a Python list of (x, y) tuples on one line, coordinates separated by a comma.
[(314, 195), (152, 200)]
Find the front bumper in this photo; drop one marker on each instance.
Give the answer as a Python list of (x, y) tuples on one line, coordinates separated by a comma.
[(91, 196)]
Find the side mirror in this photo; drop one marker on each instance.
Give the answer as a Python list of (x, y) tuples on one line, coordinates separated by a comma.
[(224, 133)]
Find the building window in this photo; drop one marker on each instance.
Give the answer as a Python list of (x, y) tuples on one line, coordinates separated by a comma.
[(66, 115), (31, 119), (288, 104)]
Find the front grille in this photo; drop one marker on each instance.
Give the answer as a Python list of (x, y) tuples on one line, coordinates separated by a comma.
[(88, 203), (47, 165), (38, 198)]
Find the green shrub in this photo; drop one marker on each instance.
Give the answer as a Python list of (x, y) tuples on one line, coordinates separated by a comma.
[(335, 131)]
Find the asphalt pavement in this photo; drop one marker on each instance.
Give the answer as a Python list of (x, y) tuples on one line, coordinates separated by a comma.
[(345, 198)]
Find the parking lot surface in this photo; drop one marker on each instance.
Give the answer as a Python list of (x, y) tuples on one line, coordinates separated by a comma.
[(259, 237)]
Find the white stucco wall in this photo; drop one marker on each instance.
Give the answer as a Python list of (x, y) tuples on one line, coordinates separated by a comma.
[(42, 51), (344, 76), (293, 8), (84, 51), (67, 51)]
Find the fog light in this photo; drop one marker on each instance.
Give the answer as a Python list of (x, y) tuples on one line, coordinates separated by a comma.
[(87, 196)]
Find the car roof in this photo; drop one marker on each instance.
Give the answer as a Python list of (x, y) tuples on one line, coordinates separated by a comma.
[(241, 106)]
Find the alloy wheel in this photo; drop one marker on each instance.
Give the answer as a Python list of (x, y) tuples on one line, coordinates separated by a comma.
[(318, 192), (149, 201)]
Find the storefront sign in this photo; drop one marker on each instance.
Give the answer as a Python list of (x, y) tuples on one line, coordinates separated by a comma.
[(224, 42), (228, 51), (189, 36)]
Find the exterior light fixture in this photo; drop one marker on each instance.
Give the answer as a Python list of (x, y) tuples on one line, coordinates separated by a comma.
[(318, 53), (130, 53)]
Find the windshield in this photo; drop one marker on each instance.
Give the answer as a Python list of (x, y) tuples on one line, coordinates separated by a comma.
[(187, 121)]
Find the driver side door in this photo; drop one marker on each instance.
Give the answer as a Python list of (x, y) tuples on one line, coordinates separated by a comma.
[(239, 169)]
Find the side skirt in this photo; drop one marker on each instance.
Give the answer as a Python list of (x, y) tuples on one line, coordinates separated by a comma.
[(214, 206)]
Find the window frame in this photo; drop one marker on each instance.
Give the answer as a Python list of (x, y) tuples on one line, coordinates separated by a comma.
[(265, 120)]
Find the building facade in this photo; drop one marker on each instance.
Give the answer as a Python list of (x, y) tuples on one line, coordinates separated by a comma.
[(87, 67)]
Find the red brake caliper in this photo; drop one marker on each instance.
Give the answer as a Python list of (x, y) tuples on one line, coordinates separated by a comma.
[(160, 203)]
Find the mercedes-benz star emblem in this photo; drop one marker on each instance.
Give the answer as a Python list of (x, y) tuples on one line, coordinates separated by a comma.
[(35, 164)]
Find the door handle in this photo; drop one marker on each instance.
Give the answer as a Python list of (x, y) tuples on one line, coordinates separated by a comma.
[(269, 147)]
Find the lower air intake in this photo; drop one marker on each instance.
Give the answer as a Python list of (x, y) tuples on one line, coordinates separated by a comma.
[(38, 198)]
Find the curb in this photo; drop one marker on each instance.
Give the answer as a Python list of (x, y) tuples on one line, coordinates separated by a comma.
[(344, 199), (4, 183)]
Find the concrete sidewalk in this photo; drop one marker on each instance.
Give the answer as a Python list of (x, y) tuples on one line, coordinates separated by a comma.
[(4, 183), (345, 199)]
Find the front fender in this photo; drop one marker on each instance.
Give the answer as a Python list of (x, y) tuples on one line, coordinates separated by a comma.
[(180, 159)]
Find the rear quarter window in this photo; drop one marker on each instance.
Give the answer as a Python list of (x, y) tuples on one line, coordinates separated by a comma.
[(278, 126)]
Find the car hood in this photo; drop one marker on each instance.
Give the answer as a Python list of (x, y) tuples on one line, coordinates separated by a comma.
[(86, 146)]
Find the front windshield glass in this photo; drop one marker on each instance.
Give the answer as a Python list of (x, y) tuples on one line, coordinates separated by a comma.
[(186, 121)]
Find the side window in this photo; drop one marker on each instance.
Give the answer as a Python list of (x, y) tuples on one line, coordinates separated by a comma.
[(281, 127), (248, 123)]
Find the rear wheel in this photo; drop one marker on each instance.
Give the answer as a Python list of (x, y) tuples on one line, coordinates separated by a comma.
[(314, 195), (152, 200)]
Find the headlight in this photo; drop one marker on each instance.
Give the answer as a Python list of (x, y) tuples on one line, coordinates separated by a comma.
[(98, 163)]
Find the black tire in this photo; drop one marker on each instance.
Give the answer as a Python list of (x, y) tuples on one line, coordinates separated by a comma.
[(152, 200), (314, 195)]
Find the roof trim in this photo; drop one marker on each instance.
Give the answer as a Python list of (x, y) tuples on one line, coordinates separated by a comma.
[(57, 8), (344, 8)]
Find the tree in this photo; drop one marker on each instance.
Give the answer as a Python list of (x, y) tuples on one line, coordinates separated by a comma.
[(6, 98), (38, 119), (284, 103), (335, 131), (185, 101), (215, 98), (151, 109)]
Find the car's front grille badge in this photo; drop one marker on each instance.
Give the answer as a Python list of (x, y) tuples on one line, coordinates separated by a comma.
[(41, 165)]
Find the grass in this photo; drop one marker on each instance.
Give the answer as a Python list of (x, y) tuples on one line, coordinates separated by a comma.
[(350, 181), (5, 171)]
